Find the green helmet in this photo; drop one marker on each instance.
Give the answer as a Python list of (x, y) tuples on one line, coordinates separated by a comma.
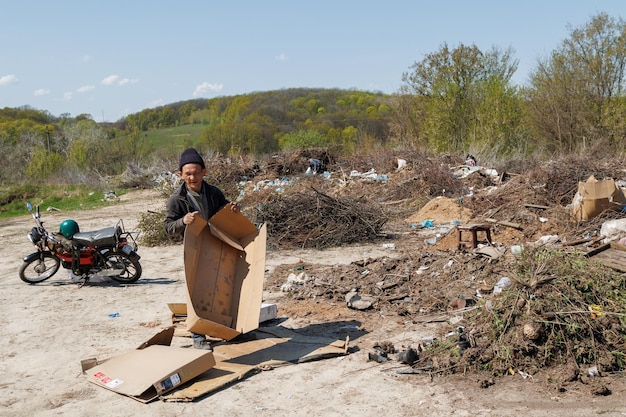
[(68, 228)]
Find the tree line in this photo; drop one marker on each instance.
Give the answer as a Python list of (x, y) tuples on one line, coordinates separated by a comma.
[(456, 99)]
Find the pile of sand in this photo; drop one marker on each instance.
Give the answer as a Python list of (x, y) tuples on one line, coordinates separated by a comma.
[(442, 210)]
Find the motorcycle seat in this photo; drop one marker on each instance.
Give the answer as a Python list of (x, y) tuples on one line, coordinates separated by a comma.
[(108, 236)]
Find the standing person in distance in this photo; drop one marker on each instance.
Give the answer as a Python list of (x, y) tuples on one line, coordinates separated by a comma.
[(194, 197)]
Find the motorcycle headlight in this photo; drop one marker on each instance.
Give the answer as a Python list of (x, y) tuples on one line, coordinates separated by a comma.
[(34, 235)]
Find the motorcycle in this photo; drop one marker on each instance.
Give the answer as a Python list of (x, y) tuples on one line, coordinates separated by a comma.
[(109, 252)]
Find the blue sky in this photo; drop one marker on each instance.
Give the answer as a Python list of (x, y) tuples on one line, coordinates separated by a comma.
[(113, 58)]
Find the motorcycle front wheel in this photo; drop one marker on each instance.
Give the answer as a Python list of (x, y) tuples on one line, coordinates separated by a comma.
[(39, 269), (121, 268)]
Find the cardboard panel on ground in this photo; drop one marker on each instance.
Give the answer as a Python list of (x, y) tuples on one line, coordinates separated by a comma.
[(263, 348), (149, 371), (224, 269), (156, 370)]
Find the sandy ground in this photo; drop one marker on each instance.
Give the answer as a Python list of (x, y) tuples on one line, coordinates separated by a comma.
[(47, 329)]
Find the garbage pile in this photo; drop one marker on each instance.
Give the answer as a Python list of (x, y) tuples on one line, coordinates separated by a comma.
[(544, 306)]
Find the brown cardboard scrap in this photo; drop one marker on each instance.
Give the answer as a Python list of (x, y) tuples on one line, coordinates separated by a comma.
[(264, 348)]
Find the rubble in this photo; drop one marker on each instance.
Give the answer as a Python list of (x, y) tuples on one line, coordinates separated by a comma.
[(532, 289)]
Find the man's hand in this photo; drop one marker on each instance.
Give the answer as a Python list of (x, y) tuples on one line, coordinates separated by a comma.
[(235, 207), (188, 218)]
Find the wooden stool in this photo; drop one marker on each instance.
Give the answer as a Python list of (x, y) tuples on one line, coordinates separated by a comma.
[(473, 229)]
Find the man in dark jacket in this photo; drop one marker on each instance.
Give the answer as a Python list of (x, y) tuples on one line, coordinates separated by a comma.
[(195, 197)]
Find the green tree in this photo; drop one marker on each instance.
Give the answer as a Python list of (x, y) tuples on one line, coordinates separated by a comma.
[(576, 95), (302, 139), (43, 164), (452, 91)]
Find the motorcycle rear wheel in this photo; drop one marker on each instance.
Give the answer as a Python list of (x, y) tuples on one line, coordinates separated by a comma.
[(39, 269), (121, 268)]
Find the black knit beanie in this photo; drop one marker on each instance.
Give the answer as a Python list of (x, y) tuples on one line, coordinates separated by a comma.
[(190, 156)]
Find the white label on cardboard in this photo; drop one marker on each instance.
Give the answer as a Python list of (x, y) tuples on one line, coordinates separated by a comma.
[(170, 382), (114, 383), (108, 382)]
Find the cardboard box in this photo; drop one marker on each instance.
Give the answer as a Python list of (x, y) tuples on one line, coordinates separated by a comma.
[(224, 270), (593, 197), (151, 370)]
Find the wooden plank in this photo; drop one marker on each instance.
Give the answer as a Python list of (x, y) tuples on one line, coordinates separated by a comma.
[(575, 242), (596, 251), (536, 206), (612, 255), (505, 223)]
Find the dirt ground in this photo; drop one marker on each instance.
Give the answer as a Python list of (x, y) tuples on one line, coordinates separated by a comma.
[(47, 329)]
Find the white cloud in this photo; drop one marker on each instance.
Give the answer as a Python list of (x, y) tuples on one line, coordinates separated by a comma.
[(8, 79), (116, 80), (125, 81), (85, 88), (41, 92), (67, 95), (110, 80), (202, 89), (155, 103), (281, 57)]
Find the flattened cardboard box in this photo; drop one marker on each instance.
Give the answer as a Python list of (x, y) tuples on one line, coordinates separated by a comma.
[(593, 197), (224, 270), (151, 370)]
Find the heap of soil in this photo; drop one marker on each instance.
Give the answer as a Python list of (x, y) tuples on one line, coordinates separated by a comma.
[(442, 210)]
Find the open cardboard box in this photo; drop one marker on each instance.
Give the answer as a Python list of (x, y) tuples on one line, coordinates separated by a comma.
[(595, 196), (224, 270), (151, 370)]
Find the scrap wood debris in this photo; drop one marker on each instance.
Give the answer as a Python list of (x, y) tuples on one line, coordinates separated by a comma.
[(561, 319)]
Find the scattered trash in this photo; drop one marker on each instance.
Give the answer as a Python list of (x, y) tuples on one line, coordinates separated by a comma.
[(295, 281), (409, 356), (357, 302), (379, 357), (489, 251), (502, 284), (544, 240), (421, 269), (613, 230), (113, 315), (428, 340)]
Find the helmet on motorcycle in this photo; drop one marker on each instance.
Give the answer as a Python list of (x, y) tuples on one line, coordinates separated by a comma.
[(68, 228)]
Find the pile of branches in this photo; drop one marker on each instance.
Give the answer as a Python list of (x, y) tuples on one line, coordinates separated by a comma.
[(313, 219), (561, 311)]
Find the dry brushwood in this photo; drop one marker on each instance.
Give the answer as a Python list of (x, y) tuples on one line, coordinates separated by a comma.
[(317, 220)]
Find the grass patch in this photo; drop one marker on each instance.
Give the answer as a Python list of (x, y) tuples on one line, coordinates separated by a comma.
[(13, 199)]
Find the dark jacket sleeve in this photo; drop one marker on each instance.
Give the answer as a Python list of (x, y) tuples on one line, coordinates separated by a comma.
[(175, 210)]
